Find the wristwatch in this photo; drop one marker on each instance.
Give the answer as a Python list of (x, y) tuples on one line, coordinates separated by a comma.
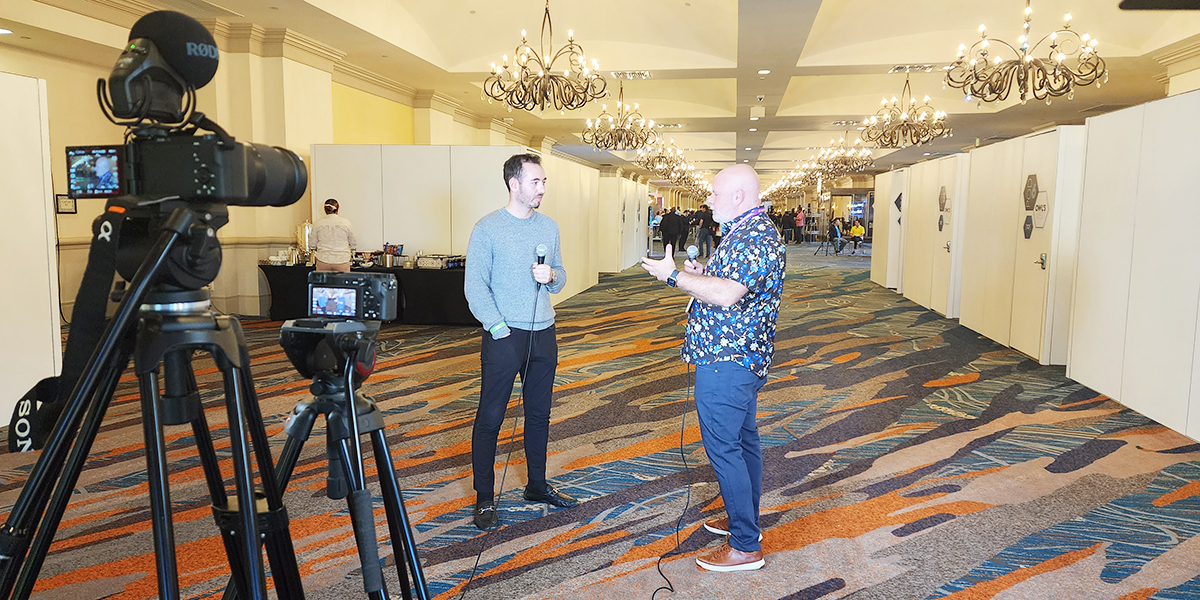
[(671, 278)]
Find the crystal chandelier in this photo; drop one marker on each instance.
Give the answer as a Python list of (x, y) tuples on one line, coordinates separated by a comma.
[(839, 159), (794, 182), (1070, 60), (530, 81), (628, 130), (666, 161), (902, 123)]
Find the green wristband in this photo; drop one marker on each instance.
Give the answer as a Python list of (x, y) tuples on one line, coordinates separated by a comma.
[(497, 326)]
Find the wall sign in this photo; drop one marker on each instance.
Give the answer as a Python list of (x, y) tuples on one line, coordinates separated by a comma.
[(1040, 212), (942, 199), (1028, 226), (1031, 192), (941, 221), (64, 204)]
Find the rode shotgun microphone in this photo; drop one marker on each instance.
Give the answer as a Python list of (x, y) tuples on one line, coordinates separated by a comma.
[(183, 42)]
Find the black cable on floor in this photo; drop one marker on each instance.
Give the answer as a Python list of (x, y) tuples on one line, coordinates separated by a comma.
[(670, 587)]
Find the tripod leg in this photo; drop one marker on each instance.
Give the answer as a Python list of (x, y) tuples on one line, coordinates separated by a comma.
[(298, 428), (398, 523), (244, 483), (362, 520), (160, 494), (96, 406)]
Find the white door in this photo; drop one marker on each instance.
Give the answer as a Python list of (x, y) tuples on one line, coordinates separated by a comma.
[(943, 227), (1039, 170)]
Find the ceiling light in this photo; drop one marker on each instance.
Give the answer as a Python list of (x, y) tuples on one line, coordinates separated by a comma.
[(748, 148), (753, 118), (839, 159), (764, 72), (746, 160), (753, 129), (4, 31), (902, 123), (1070, 61), (530, 82), (628, 130)]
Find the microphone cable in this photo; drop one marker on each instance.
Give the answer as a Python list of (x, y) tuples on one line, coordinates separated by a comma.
[(511, 438), (670, 587)]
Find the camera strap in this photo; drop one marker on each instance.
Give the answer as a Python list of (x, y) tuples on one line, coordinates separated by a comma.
[(37, 412)]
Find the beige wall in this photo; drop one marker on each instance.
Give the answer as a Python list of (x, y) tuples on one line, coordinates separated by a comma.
[(363, 118)]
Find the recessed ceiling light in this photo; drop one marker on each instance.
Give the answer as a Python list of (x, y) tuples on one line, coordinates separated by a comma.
[(746, 160), (753, 118), (753, 129), (764, 72), (4, 31), (748, 148)]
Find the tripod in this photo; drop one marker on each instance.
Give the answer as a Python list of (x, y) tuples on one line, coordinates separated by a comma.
[(316, 347), (171, 324)]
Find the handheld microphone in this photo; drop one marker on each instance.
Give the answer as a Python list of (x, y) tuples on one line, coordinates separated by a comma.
[(541, 252), (693, 252)]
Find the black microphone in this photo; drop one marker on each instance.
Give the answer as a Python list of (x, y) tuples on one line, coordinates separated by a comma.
[(541, 252), (183, 42)]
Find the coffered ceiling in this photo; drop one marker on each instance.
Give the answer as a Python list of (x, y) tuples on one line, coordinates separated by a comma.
[(828, 60)]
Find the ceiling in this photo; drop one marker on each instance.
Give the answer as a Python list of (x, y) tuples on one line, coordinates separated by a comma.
[(828, 60)]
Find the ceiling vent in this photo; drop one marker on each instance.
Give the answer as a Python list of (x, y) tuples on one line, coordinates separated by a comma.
[(758, 112), (913, 69), (631, 75)]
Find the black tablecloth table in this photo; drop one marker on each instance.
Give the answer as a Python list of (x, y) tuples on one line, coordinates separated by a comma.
[(426, 296)]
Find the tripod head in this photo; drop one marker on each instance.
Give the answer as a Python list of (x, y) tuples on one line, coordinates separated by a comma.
[(323, 348)]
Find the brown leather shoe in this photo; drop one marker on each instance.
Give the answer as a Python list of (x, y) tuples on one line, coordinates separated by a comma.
[(721, 527), (727, 558)]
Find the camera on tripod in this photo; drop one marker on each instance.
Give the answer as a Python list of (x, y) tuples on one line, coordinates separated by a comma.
[(360, 296)]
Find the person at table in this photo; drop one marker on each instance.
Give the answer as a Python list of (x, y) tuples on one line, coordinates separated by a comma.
[(856, 235), (333, 240), (508, 289)]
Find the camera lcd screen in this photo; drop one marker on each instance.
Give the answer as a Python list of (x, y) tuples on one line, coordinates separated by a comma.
[(93, 171), (333, 302)]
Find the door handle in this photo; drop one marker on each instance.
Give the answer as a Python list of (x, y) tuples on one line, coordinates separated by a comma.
[(947, 246), (1041, 261)]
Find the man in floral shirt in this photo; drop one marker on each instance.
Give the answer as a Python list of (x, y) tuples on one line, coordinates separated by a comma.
[(730, 338)]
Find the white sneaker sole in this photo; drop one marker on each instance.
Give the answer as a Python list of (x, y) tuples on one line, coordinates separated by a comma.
[(723, 532), (754, 566)]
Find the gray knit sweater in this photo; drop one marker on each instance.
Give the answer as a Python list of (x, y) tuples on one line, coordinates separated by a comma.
[(499, 282)]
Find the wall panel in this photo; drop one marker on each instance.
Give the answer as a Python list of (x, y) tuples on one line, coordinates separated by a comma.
[(1164, 285), (416, 199), (1108, 216), (353, 175), (31, 316), (476, 188)]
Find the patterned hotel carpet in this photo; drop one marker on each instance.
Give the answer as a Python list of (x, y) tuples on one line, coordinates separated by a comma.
[(906, 458)]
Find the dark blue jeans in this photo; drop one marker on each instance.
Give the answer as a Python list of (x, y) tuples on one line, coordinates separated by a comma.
[(727, 402), (704, 241)]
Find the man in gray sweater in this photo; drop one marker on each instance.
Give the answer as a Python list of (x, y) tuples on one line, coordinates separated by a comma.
[(508, 288)]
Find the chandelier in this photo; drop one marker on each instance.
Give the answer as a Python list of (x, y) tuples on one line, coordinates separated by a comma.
[(840, 159), (531, 82), (628, 130), (666, 161), (1070, 60), (794, 182), (902, 123)]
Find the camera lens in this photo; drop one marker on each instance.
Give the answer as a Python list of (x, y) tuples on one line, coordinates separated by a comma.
[(276, 176)]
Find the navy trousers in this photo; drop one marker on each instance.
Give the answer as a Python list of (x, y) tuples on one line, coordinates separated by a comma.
[(727, 402), (501, 362)]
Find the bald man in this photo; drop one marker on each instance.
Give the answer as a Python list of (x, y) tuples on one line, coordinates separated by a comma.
[(730, 338)]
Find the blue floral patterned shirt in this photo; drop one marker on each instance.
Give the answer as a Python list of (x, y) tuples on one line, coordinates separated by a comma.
[(752, 254)]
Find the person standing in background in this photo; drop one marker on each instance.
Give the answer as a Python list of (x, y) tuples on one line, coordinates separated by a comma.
[(333, 240), (669, 228), (505, 283)]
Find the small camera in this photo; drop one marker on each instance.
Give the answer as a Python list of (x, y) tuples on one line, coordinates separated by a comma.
[(359, 296)]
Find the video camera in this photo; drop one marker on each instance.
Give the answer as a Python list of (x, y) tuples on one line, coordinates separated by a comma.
[(153, 87), (359, 296)]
